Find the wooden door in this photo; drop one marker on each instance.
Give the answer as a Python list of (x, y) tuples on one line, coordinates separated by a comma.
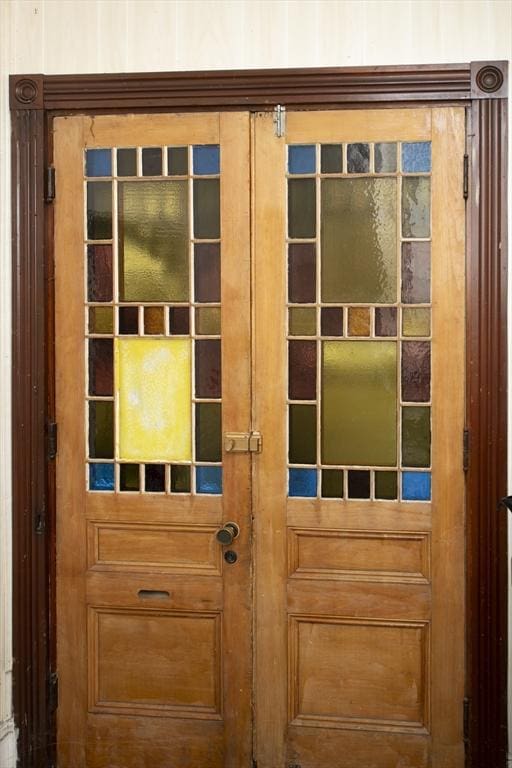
[(154, 625), (359, 395)]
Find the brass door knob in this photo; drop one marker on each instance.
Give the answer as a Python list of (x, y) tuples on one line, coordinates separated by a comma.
[(227, 533)]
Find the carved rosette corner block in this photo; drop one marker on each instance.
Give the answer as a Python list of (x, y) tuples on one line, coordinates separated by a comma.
[(489, 79), (26, 92)]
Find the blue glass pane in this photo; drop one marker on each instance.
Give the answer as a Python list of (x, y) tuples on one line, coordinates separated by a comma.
[(98, 162), (302, 159), (416, 156), (209, 479), (302, 482), (416, 486), (101, 477), (206, 159)]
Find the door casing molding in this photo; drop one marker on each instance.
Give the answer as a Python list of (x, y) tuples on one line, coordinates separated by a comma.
[(35, 100)]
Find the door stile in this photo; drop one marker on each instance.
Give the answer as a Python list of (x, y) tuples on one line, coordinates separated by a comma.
[(269, 485), (448, 364)]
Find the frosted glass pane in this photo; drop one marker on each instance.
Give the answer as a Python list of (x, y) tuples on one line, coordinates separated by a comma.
[(359, 402), (358, 231), (153, 241), (153, 383)]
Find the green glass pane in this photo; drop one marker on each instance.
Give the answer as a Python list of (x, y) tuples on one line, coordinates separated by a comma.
[(416, 206), (180, 478), (302, 426), (206, 208), (129, 477), (101, 429), (332, 483), (358, 238), (416, 436), (416, 321), (101, 320), (301, 208), (386, 485), (302, 321), (359, 402), (208, 321), (153, 241), (99, 210), (208, 432)]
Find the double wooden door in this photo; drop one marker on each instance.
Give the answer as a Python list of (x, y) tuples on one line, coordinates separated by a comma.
[(260, 397)]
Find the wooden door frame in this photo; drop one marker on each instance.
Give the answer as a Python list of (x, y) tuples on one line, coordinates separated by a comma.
[(35, 100)]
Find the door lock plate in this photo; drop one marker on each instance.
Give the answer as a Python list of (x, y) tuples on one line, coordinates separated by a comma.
[(242, 442)]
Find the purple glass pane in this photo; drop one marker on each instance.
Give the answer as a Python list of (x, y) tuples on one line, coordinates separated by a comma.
[(302, 370), (129, 320), (385, 321), (99, 273), (207, 272), (179, 321), (416, 371), (101, 367), (208, 368), (332, 321), (302, 273), (416, 273)]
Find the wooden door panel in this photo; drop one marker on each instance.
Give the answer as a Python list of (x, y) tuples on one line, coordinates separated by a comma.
[(366, 625), (154, 643)]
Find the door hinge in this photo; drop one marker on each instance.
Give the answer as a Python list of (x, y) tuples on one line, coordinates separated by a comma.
[(40, 522), (466, 717), (49, 184), (243, 442), (279, 120), (466, 445), (465, 182), (52, 440), (53, 691)]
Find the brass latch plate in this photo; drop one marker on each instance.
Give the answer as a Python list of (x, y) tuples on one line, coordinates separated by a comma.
[(242, 442)]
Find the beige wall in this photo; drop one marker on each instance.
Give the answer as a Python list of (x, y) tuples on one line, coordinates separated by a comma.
[(134, 35)]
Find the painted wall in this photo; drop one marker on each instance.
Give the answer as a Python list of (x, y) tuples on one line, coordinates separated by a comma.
[(69, 36)]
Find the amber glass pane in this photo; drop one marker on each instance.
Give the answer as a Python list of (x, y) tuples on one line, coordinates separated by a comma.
[(301, 273), (332, 321), (385, 321), (179, 321), (154, 321), (99, 210), (101, 429), (359, 321), (302, 370), (359, 402), (332, 483), (416, 321), (416, 206), (301, 208), (153, 241), (416, 436), (302, 424), (207, 272), (302, 321), (416, 273), (386, 485), (358, 234), (416, 371), (101, 320), (206, 208), (101, 367), (128, 320), (208, 321), (208, 432), (208, 368), (99, 273)]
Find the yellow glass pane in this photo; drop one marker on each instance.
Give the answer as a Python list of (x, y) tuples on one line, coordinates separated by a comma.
[(153, 388), (359, 403), (416, 321)]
